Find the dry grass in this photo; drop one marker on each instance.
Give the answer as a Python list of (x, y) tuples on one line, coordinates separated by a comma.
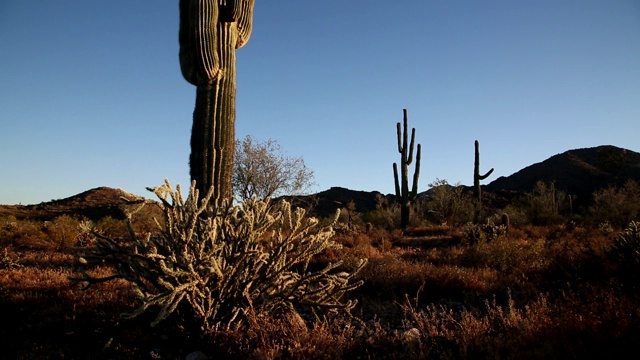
[(539, 292)]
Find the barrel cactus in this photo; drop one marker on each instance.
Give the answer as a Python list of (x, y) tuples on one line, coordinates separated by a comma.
[(210, 32)]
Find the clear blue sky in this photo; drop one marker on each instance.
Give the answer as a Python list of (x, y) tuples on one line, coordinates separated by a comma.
[(91, 92)]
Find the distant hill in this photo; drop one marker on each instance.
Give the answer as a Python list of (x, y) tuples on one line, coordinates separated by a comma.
[(577, 172), (93, 204), (325, 203)]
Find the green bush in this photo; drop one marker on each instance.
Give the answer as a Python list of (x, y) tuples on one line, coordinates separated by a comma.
[(223, 264)]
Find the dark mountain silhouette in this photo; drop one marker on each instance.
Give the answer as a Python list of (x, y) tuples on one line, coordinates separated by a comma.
[(577, 172), (325, 203)]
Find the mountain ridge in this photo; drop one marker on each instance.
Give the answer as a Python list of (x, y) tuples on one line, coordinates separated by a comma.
[(578, 172)]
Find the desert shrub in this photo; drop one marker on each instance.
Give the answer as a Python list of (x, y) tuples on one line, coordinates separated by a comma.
[(517, 215), (544, 205), (112, 228), (505, 254), (219, 264), (26, 234), (617, 206), (447, 204), (482, 233), (385, 215), (65, 231), (348, 213), (145, 219), (59, 233), (8, 226), (9, 259)]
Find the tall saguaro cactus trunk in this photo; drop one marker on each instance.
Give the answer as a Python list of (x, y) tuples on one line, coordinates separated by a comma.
[(404, 197), (210, 32), (477, 191)]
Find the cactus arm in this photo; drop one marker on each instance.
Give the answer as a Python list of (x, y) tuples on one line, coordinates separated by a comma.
[(482, 177), (245, 22), (416, 174), (399, 129), (413, 138), (198, 37), (397, 183)]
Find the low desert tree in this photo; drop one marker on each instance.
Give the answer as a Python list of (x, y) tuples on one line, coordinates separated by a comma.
[(263, 170), (251, 258)]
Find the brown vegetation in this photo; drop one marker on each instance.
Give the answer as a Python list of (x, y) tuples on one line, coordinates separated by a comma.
[(565, 289)]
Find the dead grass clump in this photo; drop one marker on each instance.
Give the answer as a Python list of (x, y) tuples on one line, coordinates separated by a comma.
[(494, 331), (431, 230), (46, 316), (538, 292), (388, 277)]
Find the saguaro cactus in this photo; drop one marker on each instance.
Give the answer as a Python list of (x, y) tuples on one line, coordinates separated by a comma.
[(210, 32), (404, 197), (477, 191)]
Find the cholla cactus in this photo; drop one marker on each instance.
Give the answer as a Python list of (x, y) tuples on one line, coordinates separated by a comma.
[(252, 256), (625, 249)]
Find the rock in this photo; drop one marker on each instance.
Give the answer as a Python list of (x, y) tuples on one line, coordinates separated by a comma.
[(197, 355)]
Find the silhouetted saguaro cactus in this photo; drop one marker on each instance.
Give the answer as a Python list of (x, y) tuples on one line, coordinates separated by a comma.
[(477, 191), (404, 197), (210, 32)]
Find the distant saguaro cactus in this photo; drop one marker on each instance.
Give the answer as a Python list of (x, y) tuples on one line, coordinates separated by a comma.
[(404, 197), (477, 191), (504, 219), (210, 32)]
